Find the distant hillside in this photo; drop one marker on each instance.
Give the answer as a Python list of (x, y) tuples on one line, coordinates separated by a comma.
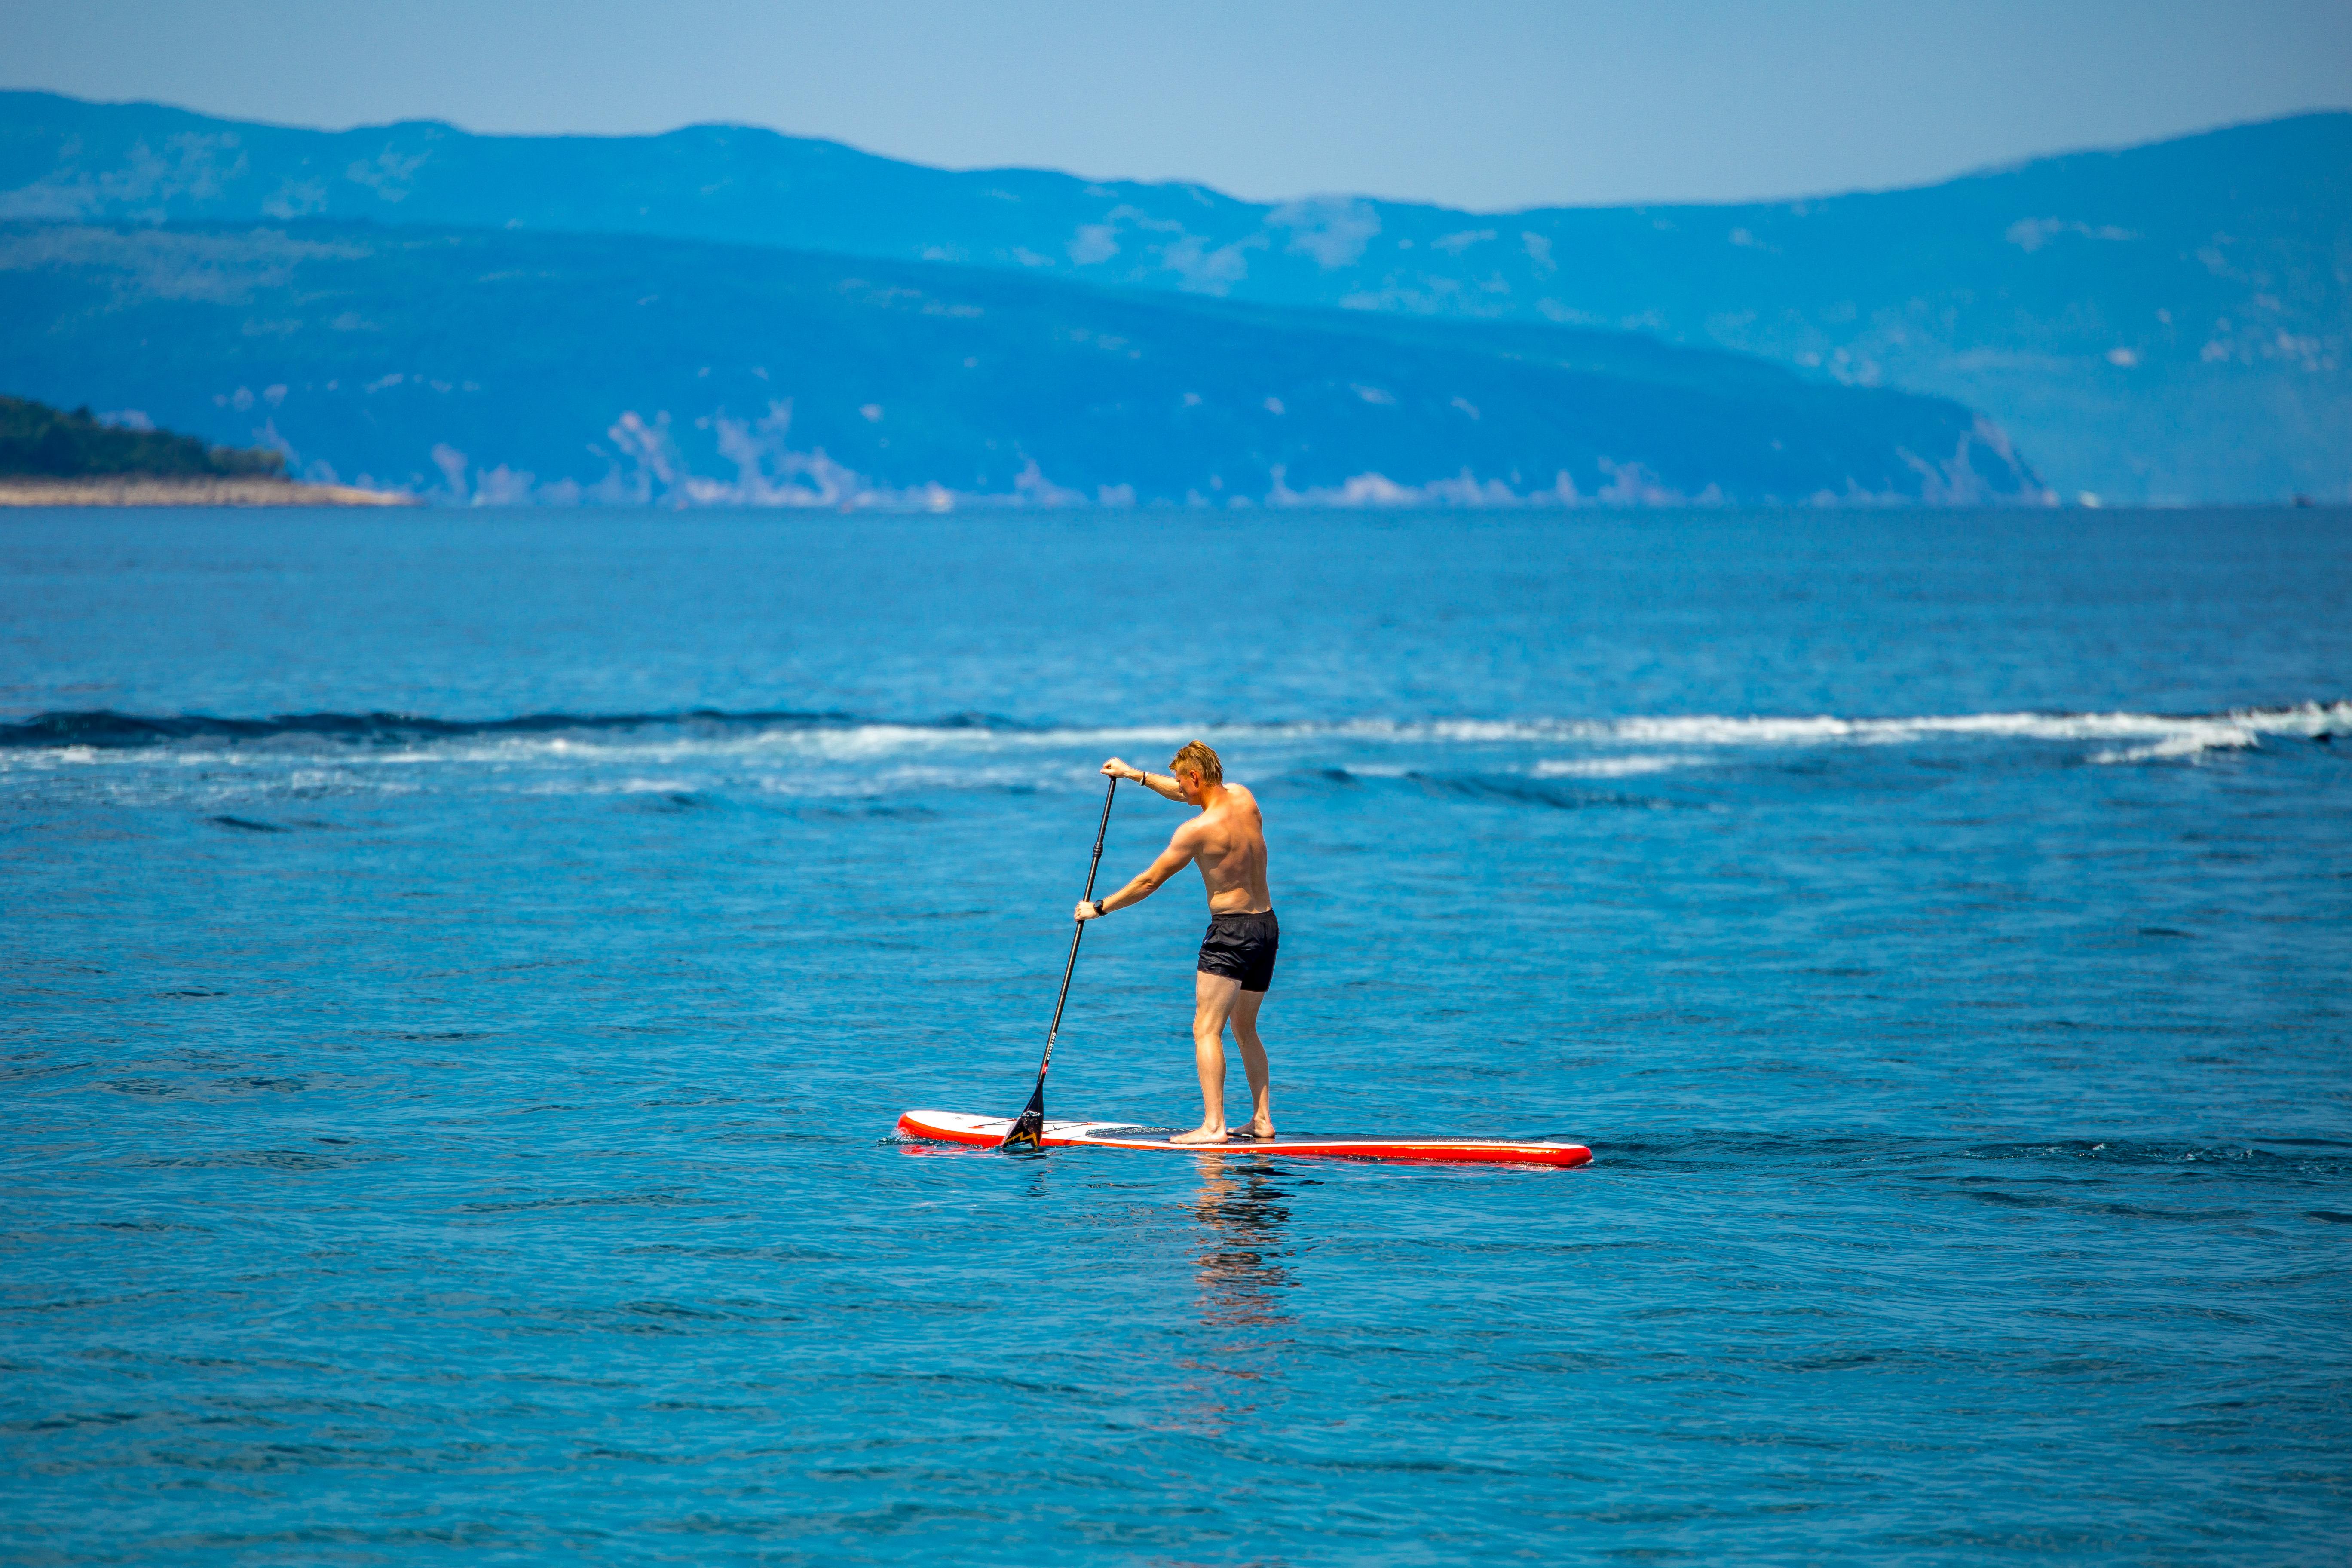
[(2171, 321), (509, 366), (37, 440)]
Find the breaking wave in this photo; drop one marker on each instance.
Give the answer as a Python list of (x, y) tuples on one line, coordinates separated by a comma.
[(2159, 734), (1608, 748), (104, 728)]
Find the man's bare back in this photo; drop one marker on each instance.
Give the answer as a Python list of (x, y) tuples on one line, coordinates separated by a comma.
[(1227, 842)]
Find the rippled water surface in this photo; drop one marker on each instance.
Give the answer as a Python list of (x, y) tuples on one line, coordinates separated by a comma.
[(462, 971)]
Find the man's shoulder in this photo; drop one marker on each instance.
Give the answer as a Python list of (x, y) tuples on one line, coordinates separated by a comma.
[(1241, 805)]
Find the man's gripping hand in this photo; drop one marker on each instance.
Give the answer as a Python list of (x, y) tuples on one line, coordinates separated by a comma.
[(1086, 910), (1117, 768)]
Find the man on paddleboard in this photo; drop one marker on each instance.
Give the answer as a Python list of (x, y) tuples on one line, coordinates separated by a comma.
[(1227, 841)]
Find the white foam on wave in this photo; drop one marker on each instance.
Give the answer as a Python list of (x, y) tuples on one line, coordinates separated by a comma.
[(260, 791), (631, 785), (1608, 767), (861, 758), (2177, 734), (659, 746)]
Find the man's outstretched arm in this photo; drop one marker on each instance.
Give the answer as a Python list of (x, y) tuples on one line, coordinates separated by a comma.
[(1158, 784), (1172, 859)]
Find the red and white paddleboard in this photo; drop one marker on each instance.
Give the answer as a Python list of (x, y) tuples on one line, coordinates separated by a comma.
[(988, 1131)]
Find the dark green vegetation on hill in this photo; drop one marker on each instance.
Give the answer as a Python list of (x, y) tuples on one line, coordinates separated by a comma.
[(518, 365), (2173, 319), (50, 442)]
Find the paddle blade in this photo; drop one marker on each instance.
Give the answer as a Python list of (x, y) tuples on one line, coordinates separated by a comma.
[(1030, 1125)]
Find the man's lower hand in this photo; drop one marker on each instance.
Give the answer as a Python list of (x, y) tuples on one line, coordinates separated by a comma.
[(1086, 911)]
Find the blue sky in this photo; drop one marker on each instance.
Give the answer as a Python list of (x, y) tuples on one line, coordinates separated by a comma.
[(1483, 103)]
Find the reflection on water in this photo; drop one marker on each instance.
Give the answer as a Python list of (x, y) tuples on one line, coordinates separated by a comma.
[(1237, 1363), (1241, 1213)]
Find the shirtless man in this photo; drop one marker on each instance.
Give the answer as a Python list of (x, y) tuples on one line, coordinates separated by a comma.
[(1227, 841)]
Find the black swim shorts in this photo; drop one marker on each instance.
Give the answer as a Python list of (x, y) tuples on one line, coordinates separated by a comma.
[(1241, 947)]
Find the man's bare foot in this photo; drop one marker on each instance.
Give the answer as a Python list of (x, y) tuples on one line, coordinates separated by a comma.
[(1256, 1130), (1201, 1135)]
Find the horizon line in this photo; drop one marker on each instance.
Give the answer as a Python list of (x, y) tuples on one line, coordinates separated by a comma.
[(1984, 170)]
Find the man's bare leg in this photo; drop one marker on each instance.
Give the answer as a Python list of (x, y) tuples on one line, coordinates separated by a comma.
[(1213, 1004), (1261, 1082)]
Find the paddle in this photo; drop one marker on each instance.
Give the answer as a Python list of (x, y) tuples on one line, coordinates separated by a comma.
[(1031, 1123)]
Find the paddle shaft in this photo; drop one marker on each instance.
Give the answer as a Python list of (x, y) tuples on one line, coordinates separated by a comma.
[(1033, 1117), (1079, 934)]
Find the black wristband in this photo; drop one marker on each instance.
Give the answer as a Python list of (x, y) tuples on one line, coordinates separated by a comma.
[(1099, 911)]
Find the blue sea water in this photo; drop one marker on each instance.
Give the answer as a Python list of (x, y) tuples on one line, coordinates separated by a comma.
[(462, 971)]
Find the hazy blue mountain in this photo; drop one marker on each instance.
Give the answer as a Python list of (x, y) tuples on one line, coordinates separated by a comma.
[(509, 366), (2171, 321)]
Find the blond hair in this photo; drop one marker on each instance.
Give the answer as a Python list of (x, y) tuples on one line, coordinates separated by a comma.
[(1197, 759)]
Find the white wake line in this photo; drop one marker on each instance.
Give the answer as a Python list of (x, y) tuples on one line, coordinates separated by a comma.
[(2159, 736)]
